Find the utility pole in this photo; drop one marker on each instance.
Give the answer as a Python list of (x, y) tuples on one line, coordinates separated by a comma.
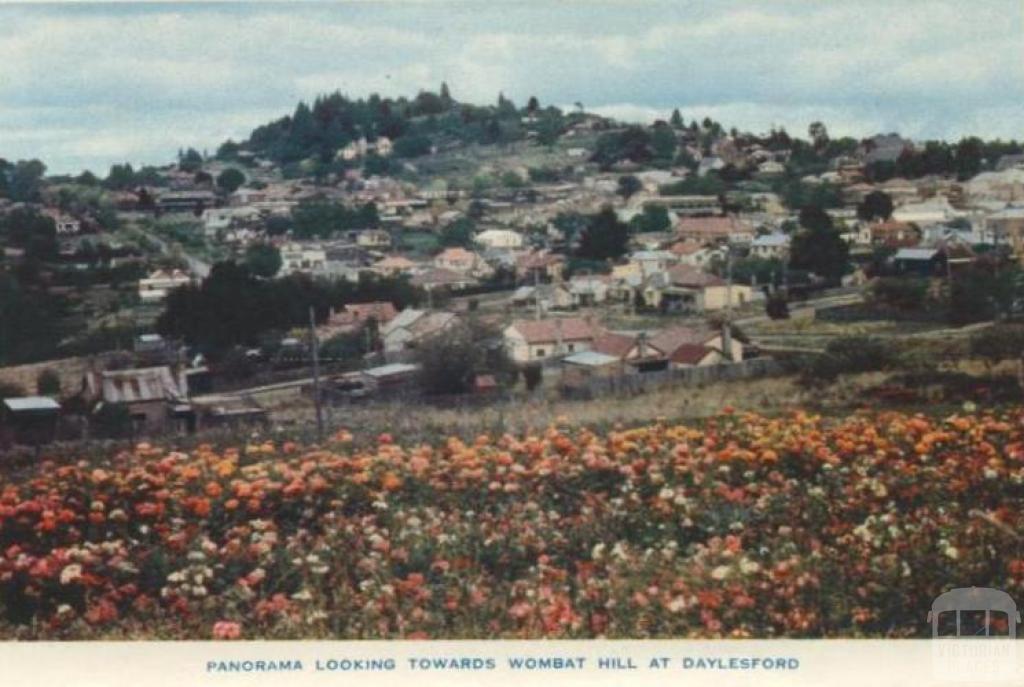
[(727, 326), (317, 401)]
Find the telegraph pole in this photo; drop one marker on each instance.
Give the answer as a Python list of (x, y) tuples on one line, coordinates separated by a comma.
[(727, 327), (315, 346)]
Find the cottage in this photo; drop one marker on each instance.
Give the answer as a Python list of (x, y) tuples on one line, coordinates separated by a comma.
[(302, 257), (539, 266), (499, 239), (770, 246), (155, 287), (922, 262), (935, 210), (412, 327), (688, 347), (153, 396), (462, 261), (538, 340), (714, 230), (589, 290), (687, 289), (394, 265), (895, 234), (378, 239)]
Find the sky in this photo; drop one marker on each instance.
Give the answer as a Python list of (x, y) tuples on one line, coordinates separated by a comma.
[(85, 85)]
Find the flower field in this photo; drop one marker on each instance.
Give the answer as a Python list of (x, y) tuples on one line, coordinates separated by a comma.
[(743, 526)]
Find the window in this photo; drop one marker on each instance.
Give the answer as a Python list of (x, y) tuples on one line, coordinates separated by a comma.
[(947, 624), (572, 348), (541, 352), (972, 623), (998, 624)]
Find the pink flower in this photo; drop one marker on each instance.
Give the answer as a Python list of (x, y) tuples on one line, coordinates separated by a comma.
[(224, 629)]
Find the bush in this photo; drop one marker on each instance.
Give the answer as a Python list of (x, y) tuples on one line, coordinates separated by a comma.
[(48, 383), (848, 355), (898, 292), (998, 343)]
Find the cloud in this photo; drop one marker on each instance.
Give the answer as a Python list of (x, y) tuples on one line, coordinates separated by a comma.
[(138, 81)]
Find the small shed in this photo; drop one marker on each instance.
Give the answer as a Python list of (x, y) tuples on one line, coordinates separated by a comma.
[(579, 367), (30, 420)]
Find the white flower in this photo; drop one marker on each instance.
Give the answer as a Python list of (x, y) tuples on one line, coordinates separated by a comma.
[(748, 567), (952, 552), (720, 573), (70, 573), (677, 604), (303, 595), (597, 553)]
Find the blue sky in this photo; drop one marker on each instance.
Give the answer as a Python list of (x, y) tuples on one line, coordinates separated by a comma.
[(84, 85)]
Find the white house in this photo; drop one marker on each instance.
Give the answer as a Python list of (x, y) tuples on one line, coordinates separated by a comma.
[(299, 257), (536, 340), (157, 285), (500, 238), (770, 246)]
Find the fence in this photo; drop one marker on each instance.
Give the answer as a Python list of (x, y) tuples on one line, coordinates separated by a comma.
[(633, 384)]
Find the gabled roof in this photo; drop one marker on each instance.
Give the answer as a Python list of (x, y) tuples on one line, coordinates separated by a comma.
[(547, 331), (685, 275), (614, 344), (31, 403), (141, 384), (669, 341)]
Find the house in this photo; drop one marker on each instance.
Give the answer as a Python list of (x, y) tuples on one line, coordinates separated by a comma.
[(28, 420), (540, 265), (354, 316), (770, 246), (651, 261), (499, 239), (302, 257), (543, 297), (373, 239), (152, 396), (186, 201), (1007, 226), (895, 234), (883, 148), (687, 289), (393, 265), (689, 347), (536, 340), (463, 261), (921, 262), (155, 287), (588, 290), (688, 205), (1010, 161), (391, 379), (693, 253), (65, 224), (411, 327), (706, 230), (935, 210), (439, 278)]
